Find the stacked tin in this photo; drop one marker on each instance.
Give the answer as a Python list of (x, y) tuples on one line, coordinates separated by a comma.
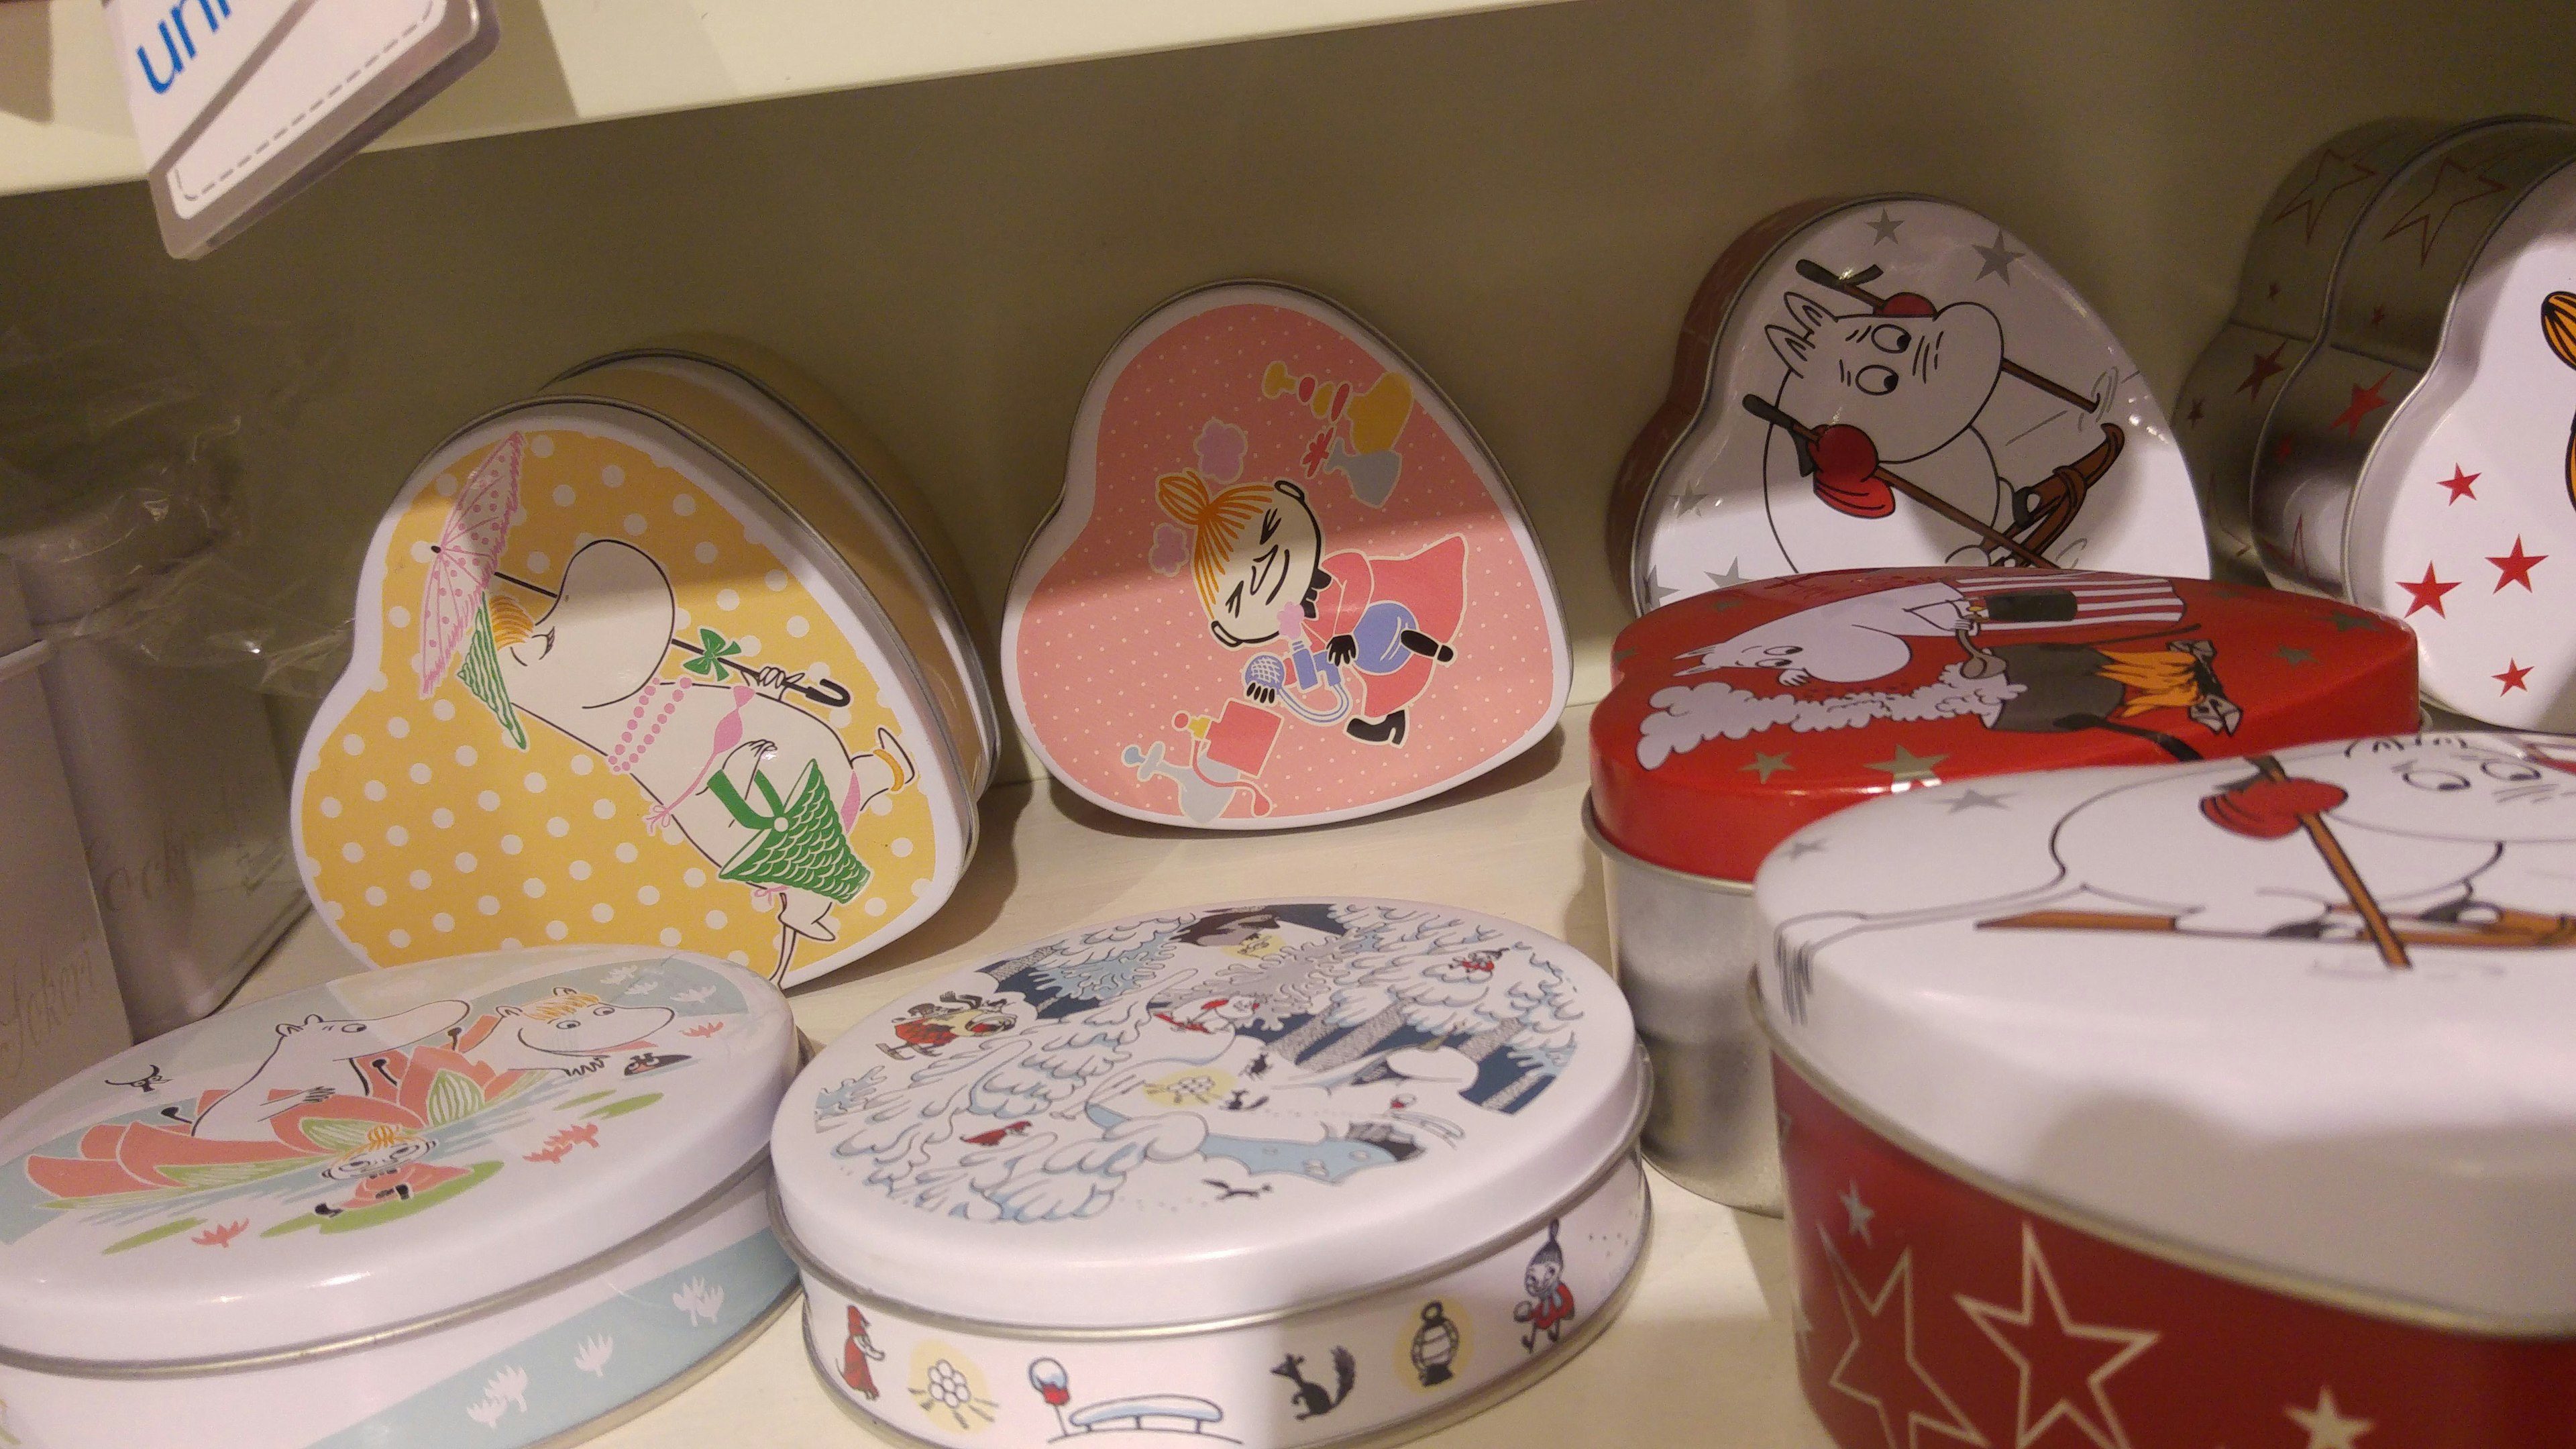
[(1741, 715)]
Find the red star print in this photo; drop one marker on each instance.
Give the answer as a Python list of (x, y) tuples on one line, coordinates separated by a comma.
[(2452, 187), (2427, 594), (2196, 414), (2263, 365), (2365, 401), (2516, 567), (2458, 483), (2513, 676), (2271, 291), (2378, 315)]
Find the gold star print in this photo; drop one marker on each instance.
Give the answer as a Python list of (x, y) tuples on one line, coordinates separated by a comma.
[(1909, 768), (2326, 1425), (2064, 1364), (1880, 1367), (1766, 766)]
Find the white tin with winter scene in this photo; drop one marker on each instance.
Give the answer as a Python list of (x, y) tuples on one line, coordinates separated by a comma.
[(1273, 1173), (499, 1200)]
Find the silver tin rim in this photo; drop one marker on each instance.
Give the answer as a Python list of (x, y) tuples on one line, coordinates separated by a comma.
[(1714, 884), (446, 1318), (855, 596), (2245, 1272), (1638, 601), (970, 668), (957, 1323), (1520, 1380)]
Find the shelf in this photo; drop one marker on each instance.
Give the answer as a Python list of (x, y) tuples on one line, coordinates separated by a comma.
[(1703, 1353), (63, 123)]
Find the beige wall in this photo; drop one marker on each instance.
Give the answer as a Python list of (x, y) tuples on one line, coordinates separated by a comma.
[(1523, 200)]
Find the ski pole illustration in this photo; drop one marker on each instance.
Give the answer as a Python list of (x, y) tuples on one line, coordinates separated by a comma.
[(826, 692), (1855, 286), (2392, 951), (1770, 413)]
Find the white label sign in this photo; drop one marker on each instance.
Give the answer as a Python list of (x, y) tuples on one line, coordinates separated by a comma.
[(239, 102)]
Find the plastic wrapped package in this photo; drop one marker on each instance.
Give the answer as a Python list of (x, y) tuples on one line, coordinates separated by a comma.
[(118, 465)]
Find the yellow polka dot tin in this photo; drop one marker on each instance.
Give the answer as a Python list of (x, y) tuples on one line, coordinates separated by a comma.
[(655, 658)]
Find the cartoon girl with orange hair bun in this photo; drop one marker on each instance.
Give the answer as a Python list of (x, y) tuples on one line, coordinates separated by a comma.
[(1257, 552)]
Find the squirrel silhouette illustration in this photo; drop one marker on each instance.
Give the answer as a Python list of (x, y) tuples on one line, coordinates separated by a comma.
[(1310, 1397)]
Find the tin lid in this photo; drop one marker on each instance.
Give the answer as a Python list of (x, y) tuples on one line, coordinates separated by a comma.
[(2305, 1013), (2462, 519), (1208, 1113), (1286, 583), (377, 1150), (1736, 717), (1896, 380), (606, 686)]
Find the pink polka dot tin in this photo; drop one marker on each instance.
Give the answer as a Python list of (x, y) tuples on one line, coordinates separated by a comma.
[(1285, 584)]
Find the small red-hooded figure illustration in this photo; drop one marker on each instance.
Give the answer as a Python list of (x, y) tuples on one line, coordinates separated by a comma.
[(1551, 1304), (855, 1354)]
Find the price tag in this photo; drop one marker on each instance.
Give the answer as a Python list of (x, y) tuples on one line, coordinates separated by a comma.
[(241, 103)]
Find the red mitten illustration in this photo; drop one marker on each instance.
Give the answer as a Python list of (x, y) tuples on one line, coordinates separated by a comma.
[(1846, 473), (2270, 809)]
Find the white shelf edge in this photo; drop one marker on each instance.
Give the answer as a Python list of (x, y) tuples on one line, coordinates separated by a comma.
[(569, 62)]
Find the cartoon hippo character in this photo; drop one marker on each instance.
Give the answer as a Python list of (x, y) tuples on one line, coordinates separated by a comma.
[(570, 1031), (1847, 641), (1900, 385), (315, 1059), (2460, 840), (763, 789), (388, 1169)]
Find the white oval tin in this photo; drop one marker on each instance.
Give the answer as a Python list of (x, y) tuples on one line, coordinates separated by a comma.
[(649, 658), (1274, 1173), (1890, 380), (498, 1199)]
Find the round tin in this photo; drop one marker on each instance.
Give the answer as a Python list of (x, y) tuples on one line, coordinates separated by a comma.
[(650, 657), (1273, 1173), (1285, 584), (2223, 1100), (500, 1199), (1736, 717), (2397, 313), (2280, 311), (1891, 380)]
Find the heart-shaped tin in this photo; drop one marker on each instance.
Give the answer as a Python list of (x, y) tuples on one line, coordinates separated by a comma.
[(649, 658), (1895, 380), (2421, 464), (1285, 584), (2256, 1068), (2280, 311)]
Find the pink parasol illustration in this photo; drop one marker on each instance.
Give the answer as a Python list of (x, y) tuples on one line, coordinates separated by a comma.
[(462, 562)]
